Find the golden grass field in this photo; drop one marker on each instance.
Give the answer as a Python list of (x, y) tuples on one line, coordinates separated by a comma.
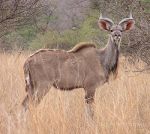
[(122, 105)]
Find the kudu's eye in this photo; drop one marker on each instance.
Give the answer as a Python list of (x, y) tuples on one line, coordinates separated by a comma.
[(111, 30)]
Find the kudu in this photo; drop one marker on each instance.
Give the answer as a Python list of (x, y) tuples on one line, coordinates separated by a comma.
[(85, 66)]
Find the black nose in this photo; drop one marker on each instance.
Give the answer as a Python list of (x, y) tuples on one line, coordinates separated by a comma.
[(117, 35)]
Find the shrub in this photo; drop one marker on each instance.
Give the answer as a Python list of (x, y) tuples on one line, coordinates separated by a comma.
[(88, 31)]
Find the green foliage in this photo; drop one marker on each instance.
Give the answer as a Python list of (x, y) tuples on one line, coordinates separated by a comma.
[(28, 37), (28, 33), (146, 4), (54, 39), (87, 32), (50, 18), (145, 0), (20, 38), (23, 35)]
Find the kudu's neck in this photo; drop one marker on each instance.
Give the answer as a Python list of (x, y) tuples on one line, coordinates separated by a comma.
[(109, 56)]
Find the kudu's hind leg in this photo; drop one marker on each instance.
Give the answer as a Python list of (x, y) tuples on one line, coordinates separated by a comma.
[(89, 103), (25, 102), (35, 96), (39, 93), (29, 90)]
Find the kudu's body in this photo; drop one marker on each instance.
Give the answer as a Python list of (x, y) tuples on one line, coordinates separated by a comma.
[(85, 66)]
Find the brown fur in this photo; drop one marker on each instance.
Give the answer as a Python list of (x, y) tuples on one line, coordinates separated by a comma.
[(84, 66), (81, 46), (63, 70), (44, 50)]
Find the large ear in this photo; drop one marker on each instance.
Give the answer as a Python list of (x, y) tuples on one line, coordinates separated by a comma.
[(105, 23), (127, 23)]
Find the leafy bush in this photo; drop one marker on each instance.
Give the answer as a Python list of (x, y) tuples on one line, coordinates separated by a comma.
[(19, 39), (88, 31), (29, 37)]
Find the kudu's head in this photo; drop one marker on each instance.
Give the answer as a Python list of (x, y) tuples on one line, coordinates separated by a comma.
[(116, 29)]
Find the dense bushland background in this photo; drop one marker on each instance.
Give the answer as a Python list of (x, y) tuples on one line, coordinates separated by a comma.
[(34, 24)]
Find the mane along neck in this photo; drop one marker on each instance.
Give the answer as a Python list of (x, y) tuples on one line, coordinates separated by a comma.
[(81, 45), (110, 57)]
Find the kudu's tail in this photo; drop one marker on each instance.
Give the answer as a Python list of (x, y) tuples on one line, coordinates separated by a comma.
[(28, 85)]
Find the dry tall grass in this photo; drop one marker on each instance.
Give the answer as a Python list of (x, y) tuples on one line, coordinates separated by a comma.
[(122, 106)]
